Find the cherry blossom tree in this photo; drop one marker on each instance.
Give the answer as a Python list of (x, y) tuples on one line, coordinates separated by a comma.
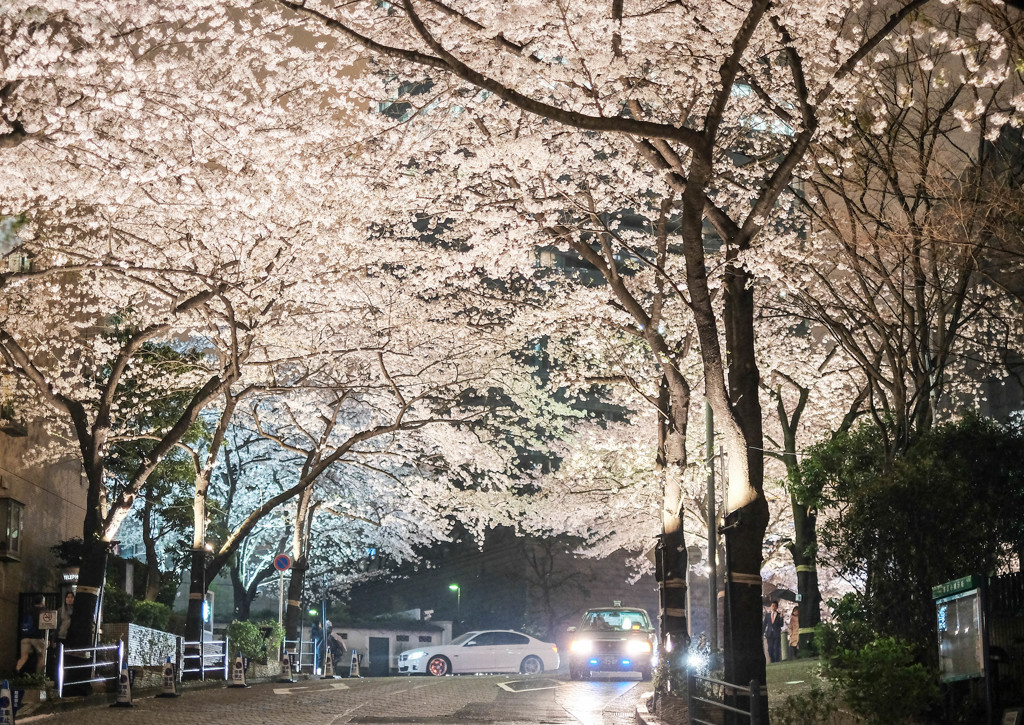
[(529, 114)]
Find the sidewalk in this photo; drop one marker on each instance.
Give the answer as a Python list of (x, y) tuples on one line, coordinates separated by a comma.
[(51, 704), (786, 678)]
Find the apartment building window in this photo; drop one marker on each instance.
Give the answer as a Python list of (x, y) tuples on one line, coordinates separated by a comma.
[(12, 517)]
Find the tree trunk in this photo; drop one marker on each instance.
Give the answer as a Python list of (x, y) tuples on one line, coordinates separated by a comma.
[(805, 557), (746, 525), (293, 603), (242, 598), (91, 577), (804, 548), (194, 616), (154, 578), (92, 570), (673, 403)]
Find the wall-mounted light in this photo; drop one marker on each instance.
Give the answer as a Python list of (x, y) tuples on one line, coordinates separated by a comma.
[(12, 523)]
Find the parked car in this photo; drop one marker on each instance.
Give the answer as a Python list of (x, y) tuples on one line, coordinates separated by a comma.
[(489, 651), (612, 639)]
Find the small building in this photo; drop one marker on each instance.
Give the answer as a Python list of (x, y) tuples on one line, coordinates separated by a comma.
[(380, 642)]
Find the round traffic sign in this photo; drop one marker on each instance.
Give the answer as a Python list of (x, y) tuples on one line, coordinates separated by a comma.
[(282, 562)]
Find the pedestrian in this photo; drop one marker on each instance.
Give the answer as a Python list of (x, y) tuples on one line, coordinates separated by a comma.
[(794, 631), (63, 625), (336, 643), (771, 627), (32, 636), (64, 617)]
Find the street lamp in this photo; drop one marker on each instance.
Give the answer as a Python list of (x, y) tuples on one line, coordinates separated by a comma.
[(458, 601)]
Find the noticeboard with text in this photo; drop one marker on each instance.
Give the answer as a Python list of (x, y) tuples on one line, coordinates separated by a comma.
[(961, 641)]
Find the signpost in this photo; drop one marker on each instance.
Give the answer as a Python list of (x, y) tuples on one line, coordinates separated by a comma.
[(282, 562)]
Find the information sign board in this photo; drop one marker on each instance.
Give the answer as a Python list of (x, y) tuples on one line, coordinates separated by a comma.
[(961, 643)]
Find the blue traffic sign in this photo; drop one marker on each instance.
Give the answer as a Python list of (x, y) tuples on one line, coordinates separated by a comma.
[(282, 562)]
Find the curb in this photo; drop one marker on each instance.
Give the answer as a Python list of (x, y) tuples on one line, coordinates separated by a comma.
[(49, 707), (643, 714)]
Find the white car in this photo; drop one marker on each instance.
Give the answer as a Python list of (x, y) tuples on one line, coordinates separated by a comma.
[(485, 651)]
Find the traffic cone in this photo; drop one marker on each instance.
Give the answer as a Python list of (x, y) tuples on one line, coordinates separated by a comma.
[(286, 668), (329, 667), (238, 672), (124, 687), (353, 668), (169, 688), (6, 705)]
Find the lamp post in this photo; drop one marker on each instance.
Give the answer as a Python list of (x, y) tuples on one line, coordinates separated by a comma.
[(458, 601)]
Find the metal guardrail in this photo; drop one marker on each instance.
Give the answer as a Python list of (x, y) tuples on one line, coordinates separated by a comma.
[(80, 666), (205, 657), (753, 691)]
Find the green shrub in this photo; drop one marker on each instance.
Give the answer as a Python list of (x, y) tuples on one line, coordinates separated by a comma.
[(848, 630), (118, 606), (884, 682), (253, 639), (815, 707), (273, 633), (24, 680), (151, 614), (245, 637)]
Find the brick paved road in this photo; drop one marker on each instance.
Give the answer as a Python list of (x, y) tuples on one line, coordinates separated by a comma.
[(399, 700)]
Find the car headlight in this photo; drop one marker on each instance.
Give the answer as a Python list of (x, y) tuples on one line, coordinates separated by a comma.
[(638, 647), (581, 646), (415, 654)]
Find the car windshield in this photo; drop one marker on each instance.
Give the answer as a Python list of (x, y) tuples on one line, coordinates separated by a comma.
[(614, 620), (463, 638)]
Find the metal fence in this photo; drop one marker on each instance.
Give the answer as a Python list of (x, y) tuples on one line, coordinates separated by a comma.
[(700, 699), (87, 665), (205, 659)]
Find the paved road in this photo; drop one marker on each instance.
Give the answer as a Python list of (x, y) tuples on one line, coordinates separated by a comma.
[(399, 700)]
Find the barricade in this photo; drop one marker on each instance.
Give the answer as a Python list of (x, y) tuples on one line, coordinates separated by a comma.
[(205, 659), (84, 666), (695, 702), (303, 655)]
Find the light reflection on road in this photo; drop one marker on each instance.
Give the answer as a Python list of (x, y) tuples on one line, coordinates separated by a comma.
[(586, 701)]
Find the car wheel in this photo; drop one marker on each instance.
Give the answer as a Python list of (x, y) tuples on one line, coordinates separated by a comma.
[(645, 675), (439, 666), (531, 666)]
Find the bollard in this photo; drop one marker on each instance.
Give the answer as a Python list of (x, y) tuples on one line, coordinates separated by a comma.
[(124, 687), (6, 704), (238, 672), (286, 669), (169, 688)]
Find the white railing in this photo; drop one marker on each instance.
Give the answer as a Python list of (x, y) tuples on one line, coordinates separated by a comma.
[(203, 658), (82, 666)]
